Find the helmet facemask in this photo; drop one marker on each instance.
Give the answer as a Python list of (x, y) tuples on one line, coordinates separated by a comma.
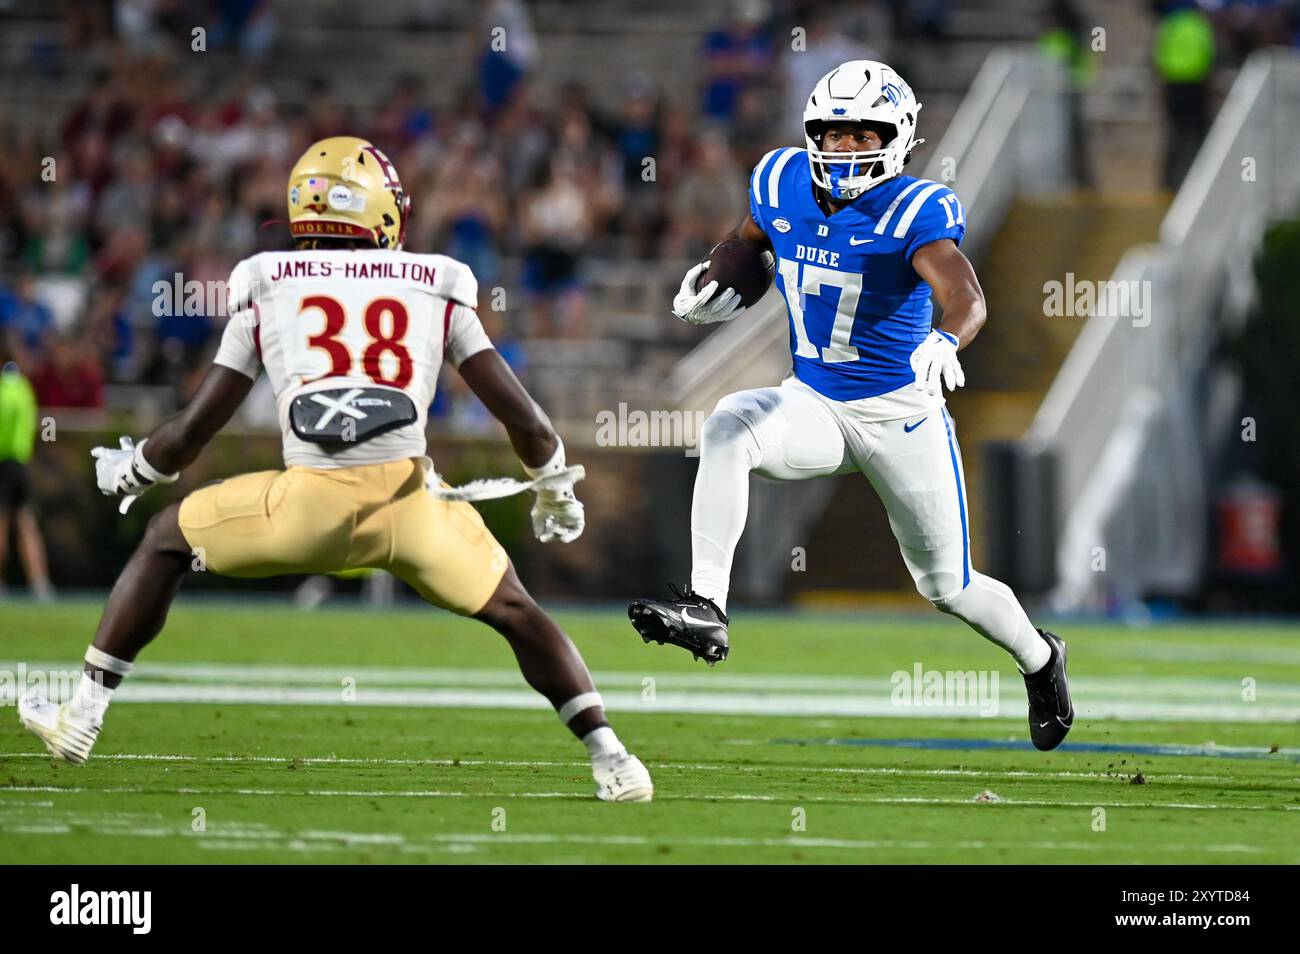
[(846, 175)]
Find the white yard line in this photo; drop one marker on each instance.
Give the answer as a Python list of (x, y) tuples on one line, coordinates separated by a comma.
[(1154, 774), (580, 796), (1166, 699), (391, 677), (264, 838), (1153, 708)]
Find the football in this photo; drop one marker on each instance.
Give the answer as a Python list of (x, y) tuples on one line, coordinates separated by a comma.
[(741, 264)]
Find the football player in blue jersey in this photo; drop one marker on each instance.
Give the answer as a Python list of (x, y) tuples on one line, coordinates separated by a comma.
[(858, 249)]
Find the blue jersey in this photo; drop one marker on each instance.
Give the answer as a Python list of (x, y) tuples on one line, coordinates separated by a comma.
[(857, 308)]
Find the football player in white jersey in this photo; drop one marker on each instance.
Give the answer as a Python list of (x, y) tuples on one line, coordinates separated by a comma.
[(858, 248), (351, 331)]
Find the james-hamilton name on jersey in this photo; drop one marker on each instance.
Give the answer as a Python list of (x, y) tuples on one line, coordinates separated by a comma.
[(401, 270)]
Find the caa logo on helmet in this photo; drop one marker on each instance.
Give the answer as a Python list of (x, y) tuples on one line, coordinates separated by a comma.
[(781, 225), (345, 200), (839, 110)]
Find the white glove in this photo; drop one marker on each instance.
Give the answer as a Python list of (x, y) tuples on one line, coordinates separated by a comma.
[(694, 306), (934, 359), (557, 513), (125, 473)]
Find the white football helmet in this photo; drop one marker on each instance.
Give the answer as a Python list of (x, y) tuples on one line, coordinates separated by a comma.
[(860, 91)]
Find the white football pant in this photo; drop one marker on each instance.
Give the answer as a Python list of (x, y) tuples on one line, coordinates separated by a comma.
[(793, 433)]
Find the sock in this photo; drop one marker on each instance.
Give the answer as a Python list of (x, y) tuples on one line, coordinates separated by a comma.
[(992, 610), (603, 743), (93, 694), (720, 504), (92, 697)]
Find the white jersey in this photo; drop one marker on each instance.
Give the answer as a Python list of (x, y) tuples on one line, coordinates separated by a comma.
[(351, 318)]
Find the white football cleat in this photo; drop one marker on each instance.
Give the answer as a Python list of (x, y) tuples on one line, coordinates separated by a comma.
[(621, 778), (65, 729)]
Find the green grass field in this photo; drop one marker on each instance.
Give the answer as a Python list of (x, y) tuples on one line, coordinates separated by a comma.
[(255, 733)]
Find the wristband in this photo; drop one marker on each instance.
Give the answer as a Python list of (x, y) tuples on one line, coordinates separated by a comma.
[(147, 470), (552, 466)]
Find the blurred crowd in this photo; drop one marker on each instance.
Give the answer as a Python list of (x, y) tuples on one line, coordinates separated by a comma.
[(160, 174)]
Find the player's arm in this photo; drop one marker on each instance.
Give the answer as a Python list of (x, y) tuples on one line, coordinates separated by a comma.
[(952, 279), (557, 513), (702, 306), (176, 442), (751, 231), (131, 469), (530, 430)]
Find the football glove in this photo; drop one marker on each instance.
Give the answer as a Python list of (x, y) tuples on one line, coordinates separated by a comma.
[(935, 361), (557, 513), (694, 307), (125, 473)]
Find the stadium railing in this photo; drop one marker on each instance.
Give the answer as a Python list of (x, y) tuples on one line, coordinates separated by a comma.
[(1124, 419)]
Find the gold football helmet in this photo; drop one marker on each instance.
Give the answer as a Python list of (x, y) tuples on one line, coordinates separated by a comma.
[(344, 187)]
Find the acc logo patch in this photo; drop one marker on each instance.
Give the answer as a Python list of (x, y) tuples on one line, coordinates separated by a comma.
[(293, 196), (781, 225)]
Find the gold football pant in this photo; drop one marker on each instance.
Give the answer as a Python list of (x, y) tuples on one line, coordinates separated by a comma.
[(308, 520)]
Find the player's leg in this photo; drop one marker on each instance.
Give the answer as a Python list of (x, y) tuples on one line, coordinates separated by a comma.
[(918, 475), (552, 665), (138, 604), (784, 433), (445, 551), (12, 489), (31, 549), (134, 615), (246, 526), (4, 543), (547, 658)]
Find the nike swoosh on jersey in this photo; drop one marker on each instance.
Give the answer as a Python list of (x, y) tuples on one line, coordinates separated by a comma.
[(909, 428), (854, 240)]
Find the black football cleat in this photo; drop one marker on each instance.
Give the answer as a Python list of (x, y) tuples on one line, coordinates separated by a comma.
[(1050, 711), (689, 620)]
